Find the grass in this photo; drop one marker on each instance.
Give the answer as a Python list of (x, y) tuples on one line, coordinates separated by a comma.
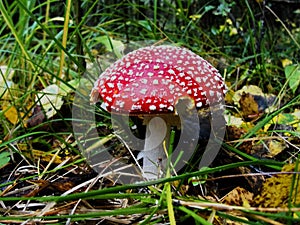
[(56, 43)]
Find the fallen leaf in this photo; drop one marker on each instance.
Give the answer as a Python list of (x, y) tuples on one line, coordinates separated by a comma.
[(253, 95), (233, 120), (112, 45), (248, 106), (289, 121), (276, 190), (12, 114), (275, 147), (34, 154), (239, 197), (297, 121), (234, 133), (50, 99)]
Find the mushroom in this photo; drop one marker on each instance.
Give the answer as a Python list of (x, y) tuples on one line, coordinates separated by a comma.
[(150, 83)]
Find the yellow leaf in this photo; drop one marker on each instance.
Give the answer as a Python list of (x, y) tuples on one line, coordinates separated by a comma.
[(276, 190), (34, 154), (284, 118), (252, 89), (286, 62), (275, 147), (263, 100), (233, 31), (232, 120), (296, 114), (229, 21), (221, 28), (11, 114), (238, 196), (195, 17)]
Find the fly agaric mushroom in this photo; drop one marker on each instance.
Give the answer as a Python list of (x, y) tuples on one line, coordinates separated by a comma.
[(149, 82)]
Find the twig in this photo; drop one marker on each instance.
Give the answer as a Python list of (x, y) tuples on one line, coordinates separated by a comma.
[(224, 207)]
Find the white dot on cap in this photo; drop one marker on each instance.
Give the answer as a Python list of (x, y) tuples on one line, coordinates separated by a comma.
[(152, 107), (136, 107), (199, 104), (155, 81), (143, 91), (162, 106), (111, 85), (170, 71), (109, 99), (171, 108), (144, 81)]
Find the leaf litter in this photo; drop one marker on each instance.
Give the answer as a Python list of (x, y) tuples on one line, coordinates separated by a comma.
[(250, 104)]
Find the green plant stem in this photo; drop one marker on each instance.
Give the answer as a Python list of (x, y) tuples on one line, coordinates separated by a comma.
[(194, 215), (11, 26), (46, 18), (167, 184), (64, 38), (155, 17)]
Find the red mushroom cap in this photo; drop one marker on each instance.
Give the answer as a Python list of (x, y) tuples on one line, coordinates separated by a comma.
[(152, 79)]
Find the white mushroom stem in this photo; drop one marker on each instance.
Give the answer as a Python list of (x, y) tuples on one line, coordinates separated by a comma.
[(154, 154)]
